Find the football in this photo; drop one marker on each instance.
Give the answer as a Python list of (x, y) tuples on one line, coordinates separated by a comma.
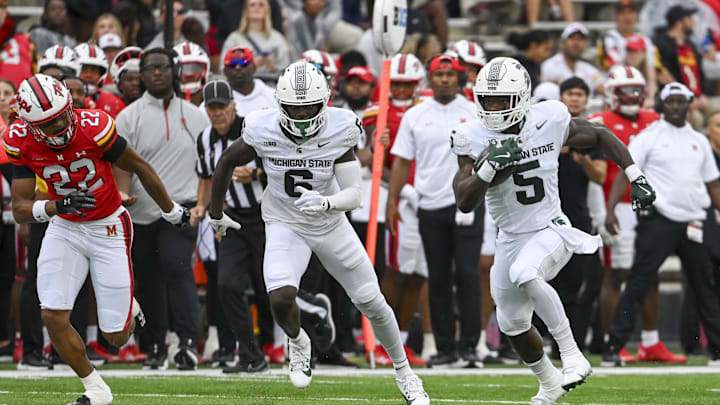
[(501, 175)]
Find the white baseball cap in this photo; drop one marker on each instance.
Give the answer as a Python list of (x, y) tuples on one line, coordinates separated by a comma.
[(676, 88), (574, 28), (110, 40)]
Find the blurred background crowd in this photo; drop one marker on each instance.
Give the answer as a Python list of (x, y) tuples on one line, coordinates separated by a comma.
[(197, 289)]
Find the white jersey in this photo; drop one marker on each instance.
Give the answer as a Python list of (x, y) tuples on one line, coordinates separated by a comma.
[(310, 164), (528, 200)]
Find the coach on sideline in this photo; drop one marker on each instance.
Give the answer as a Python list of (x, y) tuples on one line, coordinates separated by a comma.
[(446, 233), (679, 162)]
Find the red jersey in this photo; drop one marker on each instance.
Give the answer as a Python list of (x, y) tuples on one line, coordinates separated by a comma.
[(108, 102), (689, 69), (17, 58), (79, 166), (394, 117), (624, 129)]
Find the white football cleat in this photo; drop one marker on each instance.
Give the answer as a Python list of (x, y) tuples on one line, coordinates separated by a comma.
[(300, 371), (411, 388), (548, 396), (576, 369)]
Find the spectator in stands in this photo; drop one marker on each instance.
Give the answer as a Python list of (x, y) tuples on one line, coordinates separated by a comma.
[(637, 55), (434, 15), (137, 20), (307, 29), (240, 252), (111, 44), (179, 12), (7, 231), (249, 92), (319, 15), (428, 46), (679, 60), (162, 252), (562, 11), (106, 24), (447, 234), (577, 169), (256, 32), (51, 30), (536, 47), (17, 52), (193, 30), (83, 14), (574, 93), (686, 179), (568, 62)]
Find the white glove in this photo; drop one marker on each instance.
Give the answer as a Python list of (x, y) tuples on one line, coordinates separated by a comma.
[(223, 224), (311, 201), (463, 219), (8, 218), (607, 238), (409, 194), (178, 215)]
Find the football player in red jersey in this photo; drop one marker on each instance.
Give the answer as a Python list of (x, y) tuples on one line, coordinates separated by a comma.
[(472, 56), (93, 65), (625, 95), (405, 256), (73, 151)]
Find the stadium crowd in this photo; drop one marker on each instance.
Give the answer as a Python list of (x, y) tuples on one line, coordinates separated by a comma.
[(204, 296)]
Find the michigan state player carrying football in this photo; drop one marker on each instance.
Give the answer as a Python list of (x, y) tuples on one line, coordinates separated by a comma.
[(510, 157), (307, 152)]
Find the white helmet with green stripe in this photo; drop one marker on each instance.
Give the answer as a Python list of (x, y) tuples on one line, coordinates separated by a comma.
[(302, 94)]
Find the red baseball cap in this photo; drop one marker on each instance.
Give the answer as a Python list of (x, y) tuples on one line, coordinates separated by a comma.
[(238, 56), (363, 72), (446, 62), (635, 42)]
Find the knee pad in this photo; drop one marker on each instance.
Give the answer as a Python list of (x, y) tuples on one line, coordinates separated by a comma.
[(376, 308), (513, 327)]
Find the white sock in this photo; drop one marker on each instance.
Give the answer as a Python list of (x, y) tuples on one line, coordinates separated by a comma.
[(46, 337), (403, 336), (18, 335), (549, 308), (93, 381), (301, 339), (91, 333), (278, 335), (403, 369), (650, 337), (545, 372)]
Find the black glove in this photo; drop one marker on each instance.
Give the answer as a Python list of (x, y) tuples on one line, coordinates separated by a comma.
[(74, 202)]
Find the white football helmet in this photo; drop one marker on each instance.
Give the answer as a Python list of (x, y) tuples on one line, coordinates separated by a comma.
[(504, 77), (62, 57), (302, 84), (91, 55), (127, 60), (469, 52), (406, 67), (324, 62), (194, 66), (45, 105), (625, 90)]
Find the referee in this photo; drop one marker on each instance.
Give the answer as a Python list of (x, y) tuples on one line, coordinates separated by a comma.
[(447, 234), (240, 253), (679, 162)]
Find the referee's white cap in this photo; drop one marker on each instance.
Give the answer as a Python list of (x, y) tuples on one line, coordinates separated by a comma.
[(676, 88)]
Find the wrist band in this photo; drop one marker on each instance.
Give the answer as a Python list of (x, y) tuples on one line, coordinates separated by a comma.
[(486, 172), (39, 212), (254, 174), (633, 172)]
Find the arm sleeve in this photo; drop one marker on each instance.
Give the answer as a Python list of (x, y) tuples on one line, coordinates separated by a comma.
[(354, 134), (115, 150), (404, 145), (348, 177), (22, 172)]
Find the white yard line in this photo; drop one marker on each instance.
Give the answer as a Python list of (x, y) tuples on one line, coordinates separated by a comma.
[(345, 372)]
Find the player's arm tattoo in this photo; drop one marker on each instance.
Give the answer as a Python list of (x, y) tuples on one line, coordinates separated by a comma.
[(22, 191), (586, 134), (469, 189), (131, 162), (238, 154)]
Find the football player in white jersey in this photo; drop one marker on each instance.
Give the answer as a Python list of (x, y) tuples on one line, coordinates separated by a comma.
[(313, 177), (518, 179)]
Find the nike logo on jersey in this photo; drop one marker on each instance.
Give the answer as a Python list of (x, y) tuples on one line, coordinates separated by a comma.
[(540, 125), (320, 145)]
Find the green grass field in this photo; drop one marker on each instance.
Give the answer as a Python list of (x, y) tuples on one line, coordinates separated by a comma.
[(668, 385)]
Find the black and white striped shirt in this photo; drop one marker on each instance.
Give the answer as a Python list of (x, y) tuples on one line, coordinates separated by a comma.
[(241, 197)]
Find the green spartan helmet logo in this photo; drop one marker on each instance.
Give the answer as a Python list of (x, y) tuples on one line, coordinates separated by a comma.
[(302, 127)]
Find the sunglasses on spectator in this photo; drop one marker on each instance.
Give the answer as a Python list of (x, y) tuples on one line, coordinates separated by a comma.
[(163, 67), (235, 62), (180, 11)]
